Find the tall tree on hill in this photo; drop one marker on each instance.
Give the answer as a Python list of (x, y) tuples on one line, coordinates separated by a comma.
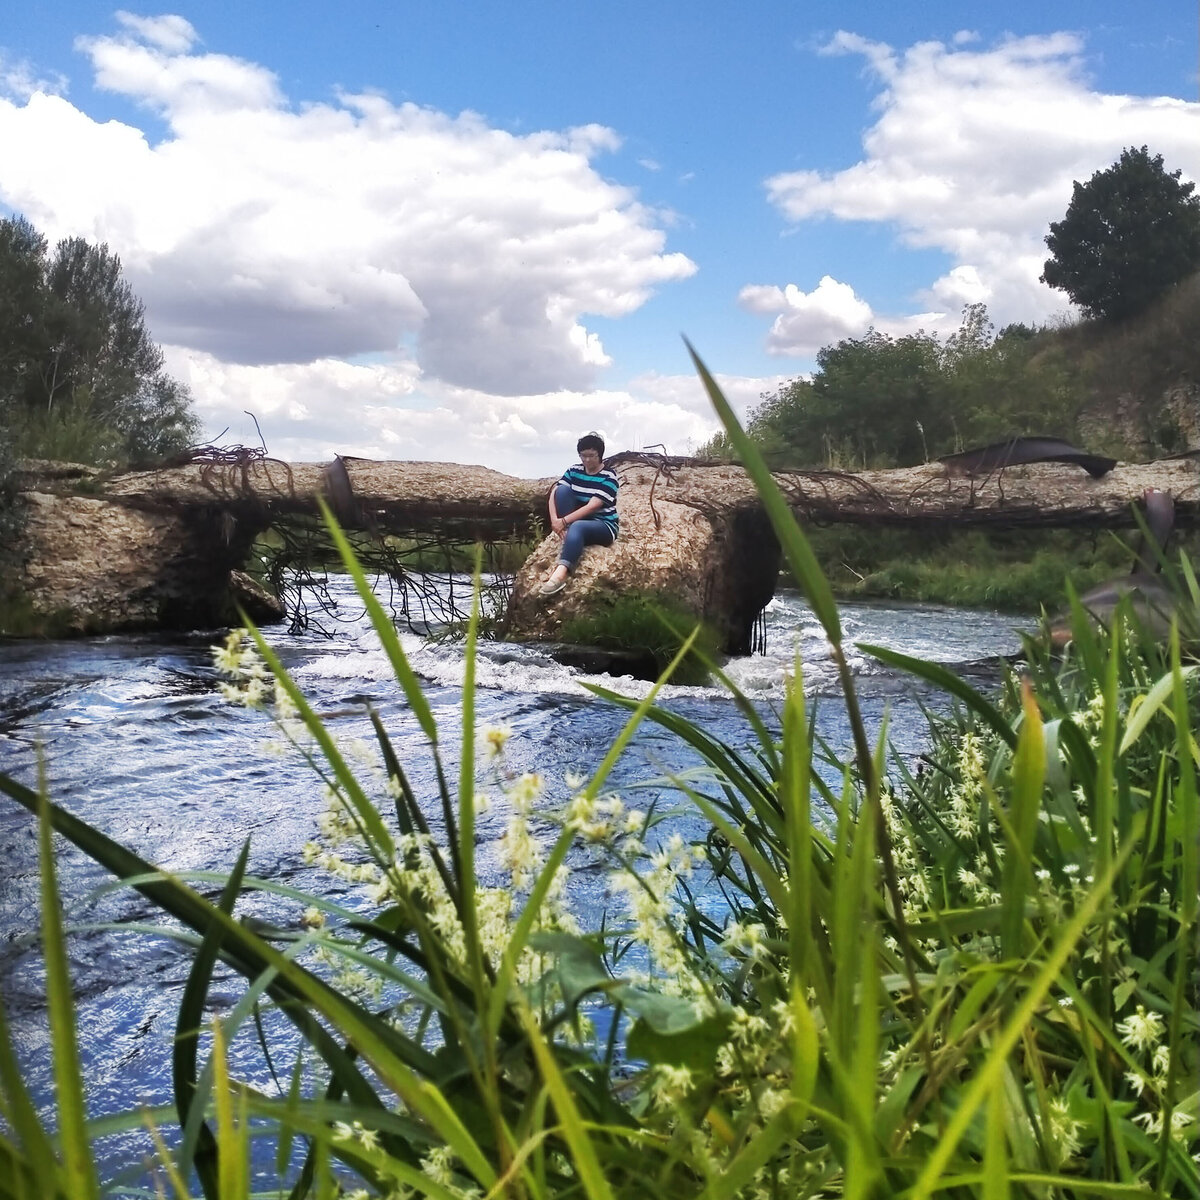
[(79, 373), (1129, 233)]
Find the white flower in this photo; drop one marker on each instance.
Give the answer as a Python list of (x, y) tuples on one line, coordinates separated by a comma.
[(1141, 1031), (495, 737)]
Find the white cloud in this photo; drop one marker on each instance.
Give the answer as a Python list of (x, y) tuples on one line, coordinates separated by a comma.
[(20, 79), (972, 152), (806, 321), (174, 34), (259, 232), (309, 412)]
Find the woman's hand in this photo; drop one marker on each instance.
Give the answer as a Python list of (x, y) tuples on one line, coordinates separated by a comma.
[(559, 526)]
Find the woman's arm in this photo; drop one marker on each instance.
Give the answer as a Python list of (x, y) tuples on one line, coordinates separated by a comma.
[(582, 514), (557, 525)]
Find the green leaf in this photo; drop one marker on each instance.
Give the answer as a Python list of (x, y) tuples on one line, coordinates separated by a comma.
[(948, 682), (796, 550), (695, 1047), (1142, 708), (79, 1172), (187, 1031)]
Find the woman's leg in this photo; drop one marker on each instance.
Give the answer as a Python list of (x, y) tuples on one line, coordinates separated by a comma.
[(565, 500), (581, 534)]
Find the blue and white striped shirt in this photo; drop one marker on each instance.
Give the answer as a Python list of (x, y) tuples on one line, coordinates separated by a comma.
[(603, 485)]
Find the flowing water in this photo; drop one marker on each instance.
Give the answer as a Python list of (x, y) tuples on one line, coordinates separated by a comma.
[(136, 739)]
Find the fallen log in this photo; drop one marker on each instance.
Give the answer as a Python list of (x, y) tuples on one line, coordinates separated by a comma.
[(153, 549)]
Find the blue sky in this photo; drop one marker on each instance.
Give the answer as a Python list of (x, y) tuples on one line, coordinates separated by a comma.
[(469, 231)]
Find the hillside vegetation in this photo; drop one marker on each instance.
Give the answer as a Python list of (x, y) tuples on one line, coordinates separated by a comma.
[(1125, 388)]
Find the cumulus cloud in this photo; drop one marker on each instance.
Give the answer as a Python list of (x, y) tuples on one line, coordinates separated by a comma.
[(972, 152), (806, 321), (260, 231), (20, 79), (309, 412)]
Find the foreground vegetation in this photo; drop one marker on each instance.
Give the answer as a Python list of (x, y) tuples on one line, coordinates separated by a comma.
[(976, 979)]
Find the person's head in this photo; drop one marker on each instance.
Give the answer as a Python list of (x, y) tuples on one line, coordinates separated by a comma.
[(590, 449)]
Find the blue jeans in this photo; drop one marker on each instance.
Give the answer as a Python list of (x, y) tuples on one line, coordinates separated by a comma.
[(579, 533)]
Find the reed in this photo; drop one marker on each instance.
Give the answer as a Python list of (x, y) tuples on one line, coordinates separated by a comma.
[(975, 978)]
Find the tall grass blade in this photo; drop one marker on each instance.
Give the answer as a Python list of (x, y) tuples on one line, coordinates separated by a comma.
[(385, 630), (187, 1032), (949, 683), (34, 1170), (989, 1074), (1028, 773), (583, 1154), (797, 551), (234, 1159), (79, 1172)]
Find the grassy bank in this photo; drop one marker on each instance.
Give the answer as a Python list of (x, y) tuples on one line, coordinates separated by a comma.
[(1018, 571), (972, 979)]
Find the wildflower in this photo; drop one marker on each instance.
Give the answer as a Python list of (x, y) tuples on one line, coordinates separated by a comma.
[(368, 1138), (1136, 1080), (227, 657), (773, 1101), (1153, 1122), (312, 918), (1160, 1061), (495, 737), (437, 1165), (1064, 1128), (1141, 1031), (670, 1084), (285, 706), (749, 938), (342, 1132)]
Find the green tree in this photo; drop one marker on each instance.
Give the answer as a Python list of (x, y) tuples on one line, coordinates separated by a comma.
[(23, 338), (1129, 233), (80, 375), (879, 401)]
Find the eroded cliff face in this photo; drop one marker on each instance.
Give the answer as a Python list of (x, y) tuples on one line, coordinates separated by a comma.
[(1166, 424), (718, 562)]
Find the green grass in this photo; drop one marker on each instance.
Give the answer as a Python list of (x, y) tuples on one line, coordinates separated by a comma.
[(649, 622), (974, 980), (1018, 571)]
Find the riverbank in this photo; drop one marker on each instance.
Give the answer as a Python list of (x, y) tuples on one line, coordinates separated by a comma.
[(1013, 571)]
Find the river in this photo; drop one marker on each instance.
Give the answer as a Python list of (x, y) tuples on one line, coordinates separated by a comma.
[(137, 740)]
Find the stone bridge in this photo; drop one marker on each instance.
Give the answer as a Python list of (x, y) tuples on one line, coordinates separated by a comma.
[(156, 549)]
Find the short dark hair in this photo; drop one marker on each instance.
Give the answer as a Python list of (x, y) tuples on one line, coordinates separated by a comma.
[(590, 441)]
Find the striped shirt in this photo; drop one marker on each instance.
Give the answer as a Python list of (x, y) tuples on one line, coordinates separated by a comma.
[(603, 486)]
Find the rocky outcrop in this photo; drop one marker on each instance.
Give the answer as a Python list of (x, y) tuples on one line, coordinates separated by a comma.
[(90, 566), (718, 562)]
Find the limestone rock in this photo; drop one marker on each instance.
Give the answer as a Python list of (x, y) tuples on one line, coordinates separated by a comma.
[(261, 606), (718, 563), (91, 566)]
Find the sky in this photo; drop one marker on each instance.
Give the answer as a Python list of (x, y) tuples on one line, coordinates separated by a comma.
[(469, 232)]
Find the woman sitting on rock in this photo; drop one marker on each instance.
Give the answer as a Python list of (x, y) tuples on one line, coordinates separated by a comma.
[(583, 510)]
